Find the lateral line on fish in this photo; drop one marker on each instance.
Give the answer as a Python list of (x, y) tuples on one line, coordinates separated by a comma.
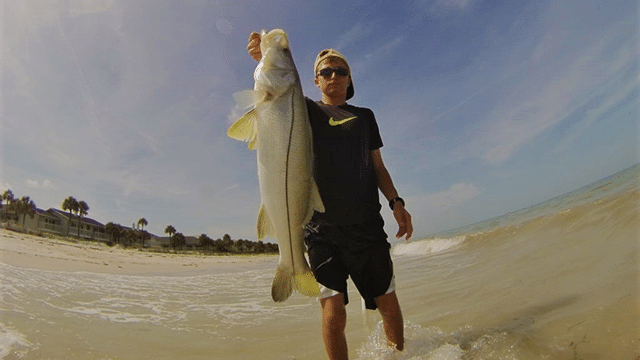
[(286, 181)]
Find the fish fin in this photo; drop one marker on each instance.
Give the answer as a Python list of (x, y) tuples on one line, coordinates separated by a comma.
[(247, 98), (245, 129), (282, 287), (264, 226), (306, 283)]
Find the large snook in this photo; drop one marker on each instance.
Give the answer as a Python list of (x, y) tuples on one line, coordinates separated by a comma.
[(278, 128)]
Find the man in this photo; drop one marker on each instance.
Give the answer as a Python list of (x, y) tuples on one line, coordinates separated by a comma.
[(348, 239)]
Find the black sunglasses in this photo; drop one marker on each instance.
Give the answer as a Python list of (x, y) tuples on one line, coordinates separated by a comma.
[(327, 72)]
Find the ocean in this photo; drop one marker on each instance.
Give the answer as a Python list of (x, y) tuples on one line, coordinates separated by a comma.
[(557, 280)]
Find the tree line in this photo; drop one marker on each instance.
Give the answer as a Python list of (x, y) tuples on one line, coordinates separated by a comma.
[(135, 235)]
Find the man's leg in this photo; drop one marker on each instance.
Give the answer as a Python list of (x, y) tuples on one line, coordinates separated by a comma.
[(391, 319), (334, 321)]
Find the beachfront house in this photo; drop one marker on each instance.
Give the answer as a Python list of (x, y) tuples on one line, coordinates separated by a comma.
[(62, 223)]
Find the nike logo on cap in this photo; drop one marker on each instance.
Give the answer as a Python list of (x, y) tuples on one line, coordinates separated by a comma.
[(333, 122)]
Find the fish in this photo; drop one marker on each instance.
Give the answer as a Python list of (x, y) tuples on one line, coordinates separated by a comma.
[(277, 127)]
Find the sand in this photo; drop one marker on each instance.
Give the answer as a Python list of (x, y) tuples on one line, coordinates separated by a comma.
[(28, 251)]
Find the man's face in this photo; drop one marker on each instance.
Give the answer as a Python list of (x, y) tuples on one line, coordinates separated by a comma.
[(333, 84)]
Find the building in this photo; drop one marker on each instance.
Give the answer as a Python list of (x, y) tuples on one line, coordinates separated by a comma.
[(62, 223)]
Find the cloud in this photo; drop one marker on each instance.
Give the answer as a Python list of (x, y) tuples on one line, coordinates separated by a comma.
[(557, 81), (440, 7), (360, 30), (456, 195), (224, 26), (4, 187), (36, 184), (229, 188), (460, 4), (379, 54), (85, 7)]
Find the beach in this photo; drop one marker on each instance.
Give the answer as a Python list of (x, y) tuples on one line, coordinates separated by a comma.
[(43, 253), (559, 280)]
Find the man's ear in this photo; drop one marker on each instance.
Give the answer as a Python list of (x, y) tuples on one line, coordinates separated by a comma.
[(316, 81)]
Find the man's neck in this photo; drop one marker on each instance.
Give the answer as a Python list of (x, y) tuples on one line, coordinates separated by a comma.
[(333, 101)]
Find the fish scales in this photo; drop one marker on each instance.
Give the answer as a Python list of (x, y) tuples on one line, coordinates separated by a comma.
[(278, 128)]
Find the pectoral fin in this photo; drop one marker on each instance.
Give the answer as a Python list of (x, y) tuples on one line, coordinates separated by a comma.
[(264, 226), (245, 129), (247, 98)]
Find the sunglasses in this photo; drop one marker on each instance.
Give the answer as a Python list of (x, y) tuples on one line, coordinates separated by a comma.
[(327, 72)]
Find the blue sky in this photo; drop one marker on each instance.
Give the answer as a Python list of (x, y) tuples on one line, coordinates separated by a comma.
[(485, 107)]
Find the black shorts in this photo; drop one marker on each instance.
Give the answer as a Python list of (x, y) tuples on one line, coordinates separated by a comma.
[(359, 251)]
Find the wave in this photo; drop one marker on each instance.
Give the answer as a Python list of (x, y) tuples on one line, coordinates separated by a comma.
[(427, 246), (12, 341), (429, 343)]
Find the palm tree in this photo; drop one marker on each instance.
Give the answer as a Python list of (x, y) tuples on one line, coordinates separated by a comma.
[(143, 234), (83, 209), (25, 206), (179, 240), (114, 231), (71, 204), (170, 230), (7, 196)]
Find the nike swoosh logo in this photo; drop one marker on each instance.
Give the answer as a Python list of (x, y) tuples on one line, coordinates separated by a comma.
[(340, 122)]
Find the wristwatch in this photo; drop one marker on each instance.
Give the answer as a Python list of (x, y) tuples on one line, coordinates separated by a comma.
[(393, 201)]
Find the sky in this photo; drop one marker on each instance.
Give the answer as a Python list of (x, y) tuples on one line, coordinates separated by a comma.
[(484, 107)]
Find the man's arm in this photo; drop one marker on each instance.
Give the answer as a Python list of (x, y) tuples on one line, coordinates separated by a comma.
[(385, 184)]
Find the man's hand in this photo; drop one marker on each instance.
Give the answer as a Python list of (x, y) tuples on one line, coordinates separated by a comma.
[(404, 220), (254, 46)]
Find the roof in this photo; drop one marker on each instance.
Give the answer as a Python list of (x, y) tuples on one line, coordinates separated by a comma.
[(66, 215)]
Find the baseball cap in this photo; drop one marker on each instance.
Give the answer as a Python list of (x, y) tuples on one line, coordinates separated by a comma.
[(327, 53)]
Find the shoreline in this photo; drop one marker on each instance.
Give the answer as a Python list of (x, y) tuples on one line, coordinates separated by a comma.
[(43, 253)]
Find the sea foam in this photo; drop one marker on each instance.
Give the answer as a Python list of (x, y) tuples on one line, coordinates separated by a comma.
[(426, 247), (11, 341)]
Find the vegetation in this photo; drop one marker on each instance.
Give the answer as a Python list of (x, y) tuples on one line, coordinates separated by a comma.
[(7, 201), (15, 208), (79, 207), (25, 206), (11, 209), (83, 210)]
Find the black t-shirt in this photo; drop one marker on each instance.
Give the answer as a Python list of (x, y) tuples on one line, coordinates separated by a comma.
[(343, 168)]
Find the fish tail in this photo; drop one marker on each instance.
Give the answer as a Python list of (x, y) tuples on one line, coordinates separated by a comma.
[(285, 281), (282, 286), (306, 283)]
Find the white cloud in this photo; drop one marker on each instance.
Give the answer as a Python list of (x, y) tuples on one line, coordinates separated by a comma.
[(554, 83), (439, 6), (456, 195), (229, 188), (460, 4), (360, 30), (85, 7), (36, 184), (378, 54), (224, 26)]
